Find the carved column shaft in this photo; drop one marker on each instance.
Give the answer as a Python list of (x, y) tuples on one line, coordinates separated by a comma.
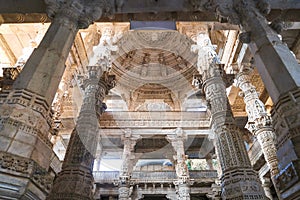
[(269, 51), (75, 181), (128, 161), (183, 178), (259, 123), (239, 180), (48, 60)]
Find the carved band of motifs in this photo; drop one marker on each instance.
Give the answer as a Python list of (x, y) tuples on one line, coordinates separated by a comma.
[(28, 99), (25, 167)]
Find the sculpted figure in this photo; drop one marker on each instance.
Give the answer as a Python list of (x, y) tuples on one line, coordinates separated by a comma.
[(206, 53), (102, 52)]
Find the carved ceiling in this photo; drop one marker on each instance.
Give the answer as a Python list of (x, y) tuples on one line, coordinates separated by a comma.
[(148, 64)]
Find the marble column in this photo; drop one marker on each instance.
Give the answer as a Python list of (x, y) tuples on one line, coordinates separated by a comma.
[(239, 180), (75, 181), (259, 122), (47, 62), (280, 73), (25, 112), (127, 164), (183, 179)]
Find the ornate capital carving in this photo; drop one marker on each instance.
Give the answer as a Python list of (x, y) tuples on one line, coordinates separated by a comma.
[(81, 13)]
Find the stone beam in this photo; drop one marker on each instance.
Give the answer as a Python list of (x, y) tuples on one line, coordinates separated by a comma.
[(16, 11), (22, 6), (290, 15), (130, 6)]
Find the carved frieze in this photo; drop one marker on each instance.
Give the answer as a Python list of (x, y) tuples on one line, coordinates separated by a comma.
[(25, 167), (81, 14)]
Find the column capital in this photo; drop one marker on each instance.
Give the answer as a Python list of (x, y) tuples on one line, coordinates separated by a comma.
[(81, 13), (129, 140), (229, 11), (177, 140)]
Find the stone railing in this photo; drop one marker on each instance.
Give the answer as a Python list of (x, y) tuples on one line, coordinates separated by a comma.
[(157, 119), (203, 175), (155, 176), (106, 176)]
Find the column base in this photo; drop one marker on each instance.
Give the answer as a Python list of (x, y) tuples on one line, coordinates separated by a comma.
[(73, 184), (288, 180), (22, 178), (241, 184), (124, 193), (184, 192)]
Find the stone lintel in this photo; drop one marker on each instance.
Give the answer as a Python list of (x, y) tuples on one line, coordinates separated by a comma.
[(292, 15)]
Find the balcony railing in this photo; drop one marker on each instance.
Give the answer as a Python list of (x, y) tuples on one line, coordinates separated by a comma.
[(154, 176)]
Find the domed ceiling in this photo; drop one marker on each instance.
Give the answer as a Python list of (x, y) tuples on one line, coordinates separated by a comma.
[(154, 65)]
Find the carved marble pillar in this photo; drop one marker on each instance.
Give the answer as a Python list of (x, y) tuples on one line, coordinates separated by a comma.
[(127, 165), (183, 179), (239, 180), (47, 61), (259, 123), (282, 83), (75, 181), (25, 113)]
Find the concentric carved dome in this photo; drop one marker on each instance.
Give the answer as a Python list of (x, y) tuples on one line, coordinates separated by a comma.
[(154, 58)]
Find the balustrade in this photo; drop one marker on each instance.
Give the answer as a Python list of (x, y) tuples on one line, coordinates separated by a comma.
[(154, 176)]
